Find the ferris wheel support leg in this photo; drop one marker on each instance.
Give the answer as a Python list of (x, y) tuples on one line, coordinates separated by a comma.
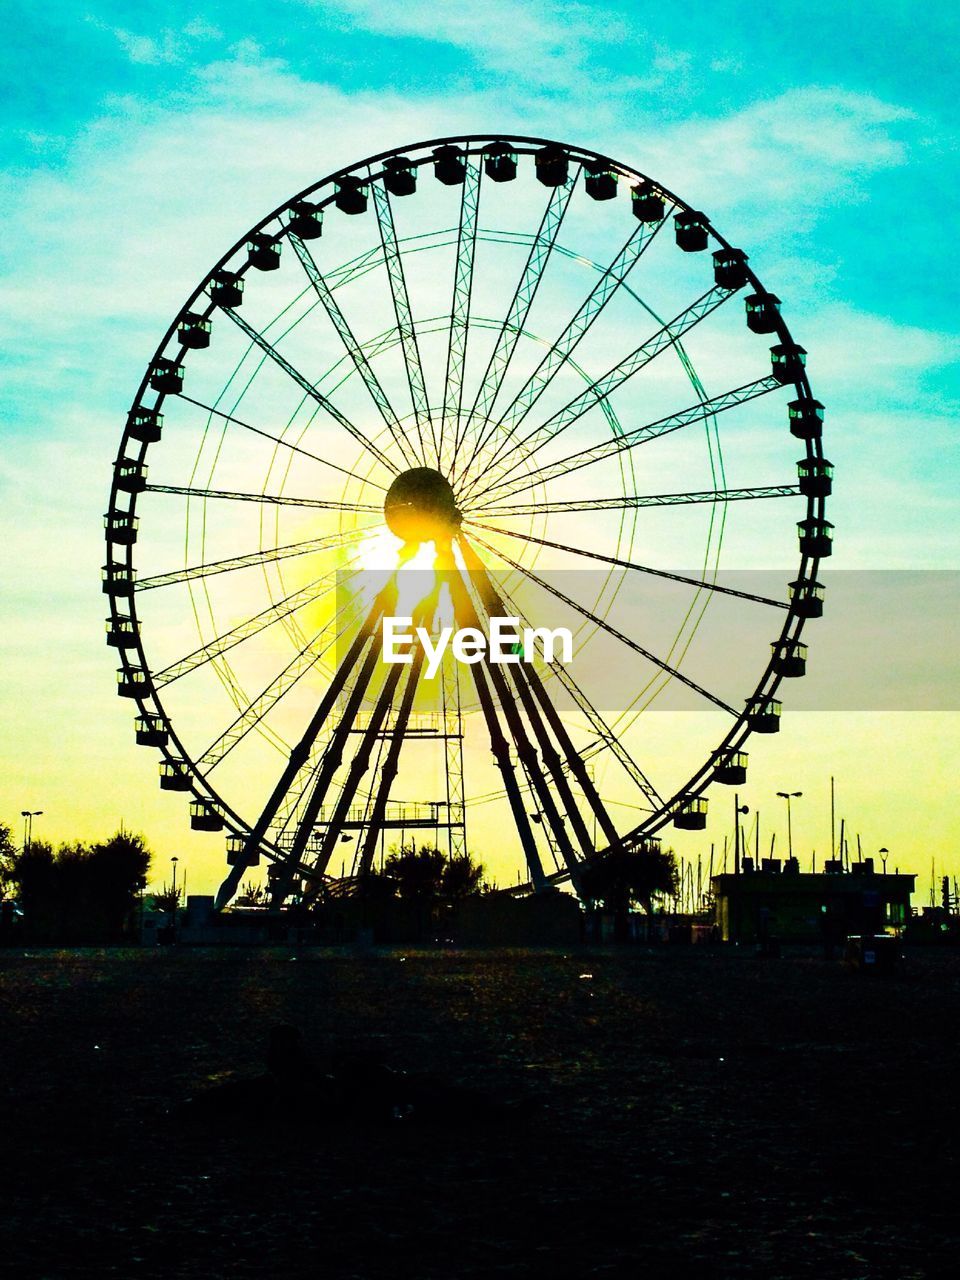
[(466, 616), (361, 760), (332, 759), (391, 765), (523, 677), (574, 760), (300, 753), (358, 767)]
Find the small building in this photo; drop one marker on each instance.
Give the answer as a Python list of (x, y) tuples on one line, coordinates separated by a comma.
[(779, 901)]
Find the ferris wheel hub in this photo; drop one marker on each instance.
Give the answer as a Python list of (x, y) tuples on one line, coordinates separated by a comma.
[(420, 506)]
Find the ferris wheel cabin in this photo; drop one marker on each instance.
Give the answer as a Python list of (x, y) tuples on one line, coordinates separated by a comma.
[(806, 598), (806, 419), (306, 220), (118, 579), (691, 814), (789, 658), (226, 289), (787, 361), (165, 376), (764, 714), (146, 425), (500, 162), (131, 475), (600, 181), (150, 730), (121, 527), (731, 770), (193, 331), (763, 312), (816, 537), (647, 202), (815, 477), (350, 195), (204, 816), (690, 229), (552, 165), (263, 252), (133, 682), (122, 632), (399, 176), (449, 166), (730, 268), (174, 775)]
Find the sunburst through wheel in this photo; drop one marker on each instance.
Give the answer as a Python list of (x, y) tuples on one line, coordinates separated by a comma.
[(454, 362)]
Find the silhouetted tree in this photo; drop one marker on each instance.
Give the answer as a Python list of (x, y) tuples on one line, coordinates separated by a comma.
[(80, 893), (168, 899), (8, 854), (427, 875), (461, 878), (630, 877), (418, 873)]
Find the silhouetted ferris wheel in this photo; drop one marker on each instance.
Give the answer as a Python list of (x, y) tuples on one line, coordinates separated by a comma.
[(501, 364)]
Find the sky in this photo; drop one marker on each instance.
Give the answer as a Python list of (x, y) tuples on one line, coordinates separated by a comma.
[(139, 142)]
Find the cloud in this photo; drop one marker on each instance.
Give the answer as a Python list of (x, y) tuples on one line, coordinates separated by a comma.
[(786, 159), (545, 41), (167, 46)]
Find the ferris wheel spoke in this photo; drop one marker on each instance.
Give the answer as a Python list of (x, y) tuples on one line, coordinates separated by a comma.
[(250, 627), (460, 304), (267, 499), (256, 711), (630, 502), (664, 338), (698, 412), (307, 386), (611, 630), (520, 304), (254, 558), (401, 307), (287, 444), (353, 348), (699, 583), (563, 347)]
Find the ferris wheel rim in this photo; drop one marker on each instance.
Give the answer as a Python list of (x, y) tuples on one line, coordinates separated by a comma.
[(793, 626)]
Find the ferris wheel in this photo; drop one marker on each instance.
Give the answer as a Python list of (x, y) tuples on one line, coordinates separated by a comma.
[(473, 378)]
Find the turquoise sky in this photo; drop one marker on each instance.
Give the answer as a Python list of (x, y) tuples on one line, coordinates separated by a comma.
[(138, 141)]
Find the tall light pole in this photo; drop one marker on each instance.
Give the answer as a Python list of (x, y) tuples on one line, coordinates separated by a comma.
[(788, 796), (738, 808), (884, 854), (28, 816), (173, 908)]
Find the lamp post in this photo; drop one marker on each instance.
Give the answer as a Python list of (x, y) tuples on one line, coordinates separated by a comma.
[(884, 854), (738, 808), (173, 896), (28, 816), (788, 796)]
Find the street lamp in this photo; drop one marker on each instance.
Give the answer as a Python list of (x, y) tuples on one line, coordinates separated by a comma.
[(788, 796), (28, 816), (884, 854), (738, 808), (173, 896)]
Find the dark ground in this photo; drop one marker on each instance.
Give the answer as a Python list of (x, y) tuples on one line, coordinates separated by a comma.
[(699, 1113)]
